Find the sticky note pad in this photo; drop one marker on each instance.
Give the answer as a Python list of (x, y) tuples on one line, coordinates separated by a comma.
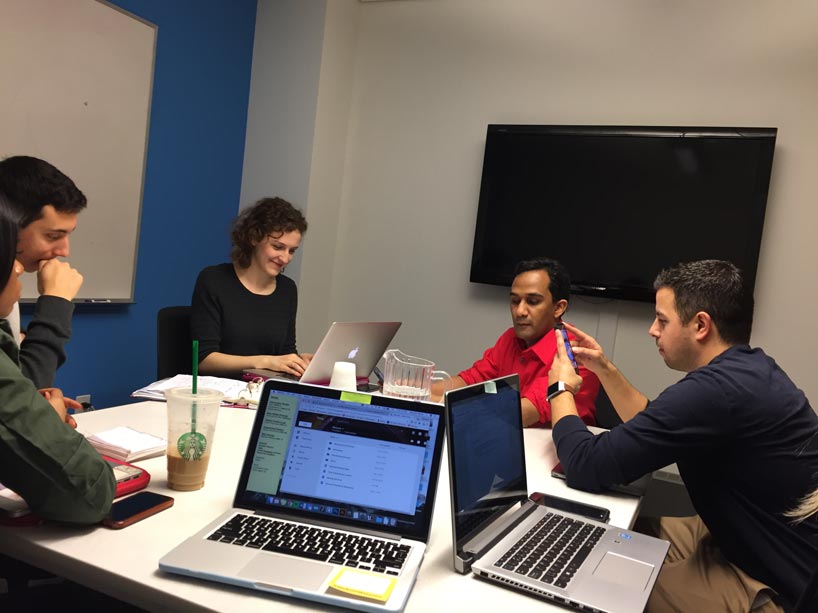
[(362, 584), (355, 397)]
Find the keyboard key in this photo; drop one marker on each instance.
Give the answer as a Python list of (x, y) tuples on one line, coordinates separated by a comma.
[(313, 543), (553, 550)]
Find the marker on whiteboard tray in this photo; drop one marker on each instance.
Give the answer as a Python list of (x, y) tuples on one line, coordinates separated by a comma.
[(98, 300)]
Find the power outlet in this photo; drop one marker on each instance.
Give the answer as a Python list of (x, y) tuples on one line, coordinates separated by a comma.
[(84, 399)]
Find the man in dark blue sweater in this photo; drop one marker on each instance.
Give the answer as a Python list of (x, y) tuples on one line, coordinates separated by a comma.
[(744, 437)]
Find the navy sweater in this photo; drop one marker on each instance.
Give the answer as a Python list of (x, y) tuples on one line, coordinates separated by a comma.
[(745, 440)]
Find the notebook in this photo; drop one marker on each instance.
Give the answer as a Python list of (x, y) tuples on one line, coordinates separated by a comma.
[(334, 500), (360, 342), (502, 536)]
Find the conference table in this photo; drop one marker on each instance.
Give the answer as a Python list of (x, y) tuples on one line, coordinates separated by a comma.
[(123, 563)]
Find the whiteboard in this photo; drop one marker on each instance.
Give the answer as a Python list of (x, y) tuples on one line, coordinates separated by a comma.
[(76, 89)]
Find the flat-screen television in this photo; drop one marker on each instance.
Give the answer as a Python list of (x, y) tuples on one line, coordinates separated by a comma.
[(616, 204)]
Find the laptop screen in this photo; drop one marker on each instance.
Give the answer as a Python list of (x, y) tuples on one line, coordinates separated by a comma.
[(486, 453), (322, 454)]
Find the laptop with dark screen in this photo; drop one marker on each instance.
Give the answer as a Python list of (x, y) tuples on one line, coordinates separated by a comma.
[(501, 535)]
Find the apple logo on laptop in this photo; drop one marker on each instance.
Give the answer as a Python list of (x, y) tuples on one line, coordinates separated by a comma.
[(353, 353)]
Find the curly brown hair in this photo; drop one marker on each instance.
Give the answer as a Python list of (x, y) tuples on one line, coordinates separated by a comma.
[(265, 217)]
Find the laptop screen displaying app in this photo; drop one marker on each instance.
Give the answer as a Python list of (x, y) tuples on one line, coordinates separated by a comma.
[(344, 461)]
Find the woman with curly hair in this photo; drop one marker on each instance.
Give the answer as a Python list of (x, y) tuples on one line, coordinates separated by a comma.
[(243, 312)]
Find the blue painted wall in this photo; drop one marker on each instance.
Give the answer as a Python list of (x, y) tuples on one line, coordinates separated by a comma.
[(192, 185)]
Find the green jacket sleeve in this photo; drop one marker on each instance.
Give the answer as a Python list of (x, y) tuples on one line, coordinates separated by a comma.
[(50, 465)]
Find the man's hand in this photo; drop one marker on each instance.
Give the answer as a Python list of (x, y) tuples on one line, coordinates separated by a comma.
[(587, 351), (441, 386), (626, 399), (61, 404), (561, 367), (57, 278)]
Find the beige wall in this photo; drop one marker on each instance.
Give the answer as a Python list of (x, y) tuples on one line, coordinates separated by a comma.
[(405, 92)]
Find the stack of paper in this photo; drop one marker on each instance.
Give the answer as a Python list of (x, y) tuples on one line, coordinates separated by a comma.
[(234, 390), (126, 444), (231, 388)]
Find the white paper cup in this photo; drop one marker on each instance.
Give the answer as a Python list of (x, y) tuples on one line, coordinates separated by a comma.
[(343, 377)]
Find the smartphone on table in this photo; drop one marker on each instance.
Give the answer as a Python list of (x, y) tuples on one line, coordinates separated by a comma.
[(136, 508), (559, 330)]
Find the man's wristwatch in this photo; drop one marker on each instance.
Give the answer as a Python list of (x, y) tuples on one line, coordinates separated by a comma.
[(555, 389)]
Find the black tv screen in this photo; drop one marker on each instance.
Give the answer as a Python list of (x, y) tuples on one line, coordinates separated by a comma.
[(616, 204)]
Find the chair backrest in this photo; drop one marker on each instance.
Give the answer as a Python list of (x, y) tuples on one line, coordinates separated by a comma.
[(606, 415), (173, 342)]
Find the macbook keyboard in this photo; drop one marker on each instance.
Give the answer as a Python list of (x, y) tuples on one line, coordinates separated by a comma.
[(552, 550), (313, 542)]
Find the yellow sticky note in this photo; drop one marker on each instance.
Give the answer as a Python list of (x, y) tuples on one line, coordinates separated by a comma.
[(354, 397), (364, 584)]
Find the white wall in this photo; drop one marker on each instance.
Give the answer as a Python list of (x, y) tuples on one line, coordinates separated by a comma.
[(283, 99), (420, 79)]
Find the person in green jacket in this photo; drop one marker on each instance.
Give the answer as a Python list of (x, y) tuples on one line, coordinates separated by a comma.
[(42, 458)]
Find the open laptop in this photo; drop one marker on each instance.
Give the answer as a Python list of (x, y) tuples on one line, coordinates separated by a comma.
[(503, 536), (334, 500), (360, 342)]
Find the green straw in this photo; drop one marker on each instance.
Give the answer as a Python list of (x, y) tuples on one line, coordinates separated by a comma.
[(195, 369), (192, 445), (193, 385)]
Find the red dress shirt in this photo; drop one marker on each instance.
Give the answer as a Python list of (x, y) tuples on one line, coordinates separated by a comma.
[(510, 355)]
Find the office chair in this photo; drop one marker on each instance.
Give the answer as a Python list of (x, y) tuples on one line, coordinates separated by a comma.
[(173, 343), (606, 415)]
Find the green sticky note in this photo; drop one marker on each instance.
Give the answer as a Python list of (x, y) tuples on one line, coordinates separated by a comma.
[(490, 387), (355, 397)]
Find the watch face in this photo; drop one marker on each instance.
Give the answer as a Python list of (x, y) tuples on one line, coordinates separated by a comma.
[(557, 388)]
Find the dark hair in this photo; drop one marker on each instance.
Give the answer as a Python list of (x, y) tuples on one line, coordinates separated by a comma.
[(9, 225), (30, 183), (265, 217), (715, 287), (559, 281)]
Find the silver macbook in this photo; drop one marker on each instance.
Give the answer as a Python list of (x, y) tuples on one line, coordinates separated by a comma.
[(501, 535), (361, 342), (334, 500)]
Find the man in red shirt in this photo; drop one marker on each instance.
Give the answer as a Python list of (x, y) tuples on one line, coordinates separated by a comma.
[(539, 297)]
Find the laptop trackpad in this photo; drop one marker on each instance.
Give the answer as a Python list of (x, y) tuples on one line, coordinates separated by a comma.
[(624, 571), (286, 572)]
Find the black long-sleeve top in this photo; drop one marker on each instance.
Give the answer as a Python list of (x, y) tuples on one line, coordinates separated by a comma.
[(228, 318)]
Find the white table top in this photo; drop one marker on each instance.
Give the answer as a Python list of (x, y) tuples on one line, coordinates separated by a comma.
[(123, 563)]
